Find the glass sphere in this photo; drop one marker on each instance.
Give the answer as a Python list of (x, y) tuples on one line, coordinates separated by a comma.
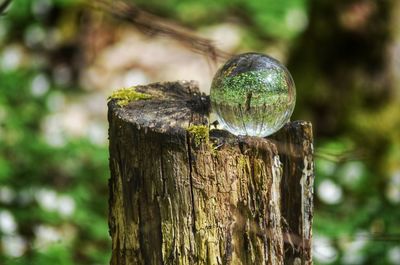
[(253, 94)]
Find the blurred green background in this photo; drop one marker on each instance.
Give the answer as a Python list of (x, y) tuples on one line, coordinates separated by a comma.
[(60, 59)]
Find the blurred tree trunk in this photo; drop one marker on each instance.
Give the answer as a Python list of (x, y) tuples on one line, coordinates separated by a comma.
[(394, 48), (347, 72), (180, 194), (342, 62)]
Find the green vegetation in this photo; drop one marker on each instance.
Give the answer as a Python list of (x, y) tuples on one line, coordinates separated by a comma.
[(200, 133), (234, 89), (53, 187), (126, 95), (284, 19)]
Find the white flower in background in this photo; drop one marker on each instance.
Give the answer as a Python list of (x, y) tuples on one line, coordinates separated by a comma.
[(394, 255), (39, 85), (47, 199), (50, 201), (352, 172), (8, 225), (7, 195), (45, 236), (97, 133), (329, 192), (296, 19), (323, 250), (65, 205), (52, 130), (14, 245), (393, 188), (68, 121), (74, 120), (11, 57)]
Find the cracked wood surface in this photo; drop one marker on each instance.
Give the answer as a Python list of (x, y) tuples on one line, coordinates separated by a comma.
[(175, 201)]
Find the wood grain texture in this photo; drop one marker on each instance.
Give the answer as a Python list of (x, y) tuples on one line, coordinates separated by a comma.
[(175, 200), (295, 147)]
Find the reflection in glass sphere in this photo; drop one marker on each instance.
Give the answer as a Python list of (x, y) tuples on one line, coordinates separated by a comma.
[(253, 94)]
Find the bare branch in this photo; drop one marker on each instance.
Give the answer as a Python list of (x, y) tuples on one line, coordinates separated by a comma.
[(4, 5), (154, 25)]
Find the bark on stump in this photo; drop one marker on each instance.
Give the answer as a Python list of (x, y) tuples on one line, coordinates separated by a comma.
[(181, 194)]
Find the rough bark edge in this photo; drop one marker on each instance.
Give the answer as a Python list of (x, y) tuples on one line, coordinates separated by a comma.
[(295, 147)]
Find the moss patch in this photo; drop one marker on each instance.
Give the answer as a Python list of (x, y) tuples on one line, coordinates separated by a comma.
[(126, 95), (200, 133)]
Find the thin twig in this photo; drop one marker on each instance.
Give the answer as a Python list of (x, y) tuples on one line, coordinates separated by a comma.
[(154, 25), (4, 5)]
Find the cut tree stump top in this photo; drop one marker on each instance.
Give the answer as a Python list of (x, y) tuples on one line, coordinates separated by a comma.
[(172, 108)]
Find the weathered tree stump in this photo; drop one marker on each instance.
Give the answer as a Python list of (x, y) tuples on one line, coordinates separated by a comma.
[(181, 194)]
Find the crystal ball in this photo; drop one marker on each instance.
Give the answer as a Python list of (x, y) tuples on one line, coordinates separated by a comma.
[(253, 94)]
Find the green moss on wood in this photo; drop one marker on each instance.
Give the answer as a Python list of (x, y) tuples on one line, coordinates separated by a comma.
[(126, 95), (200, 133)]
